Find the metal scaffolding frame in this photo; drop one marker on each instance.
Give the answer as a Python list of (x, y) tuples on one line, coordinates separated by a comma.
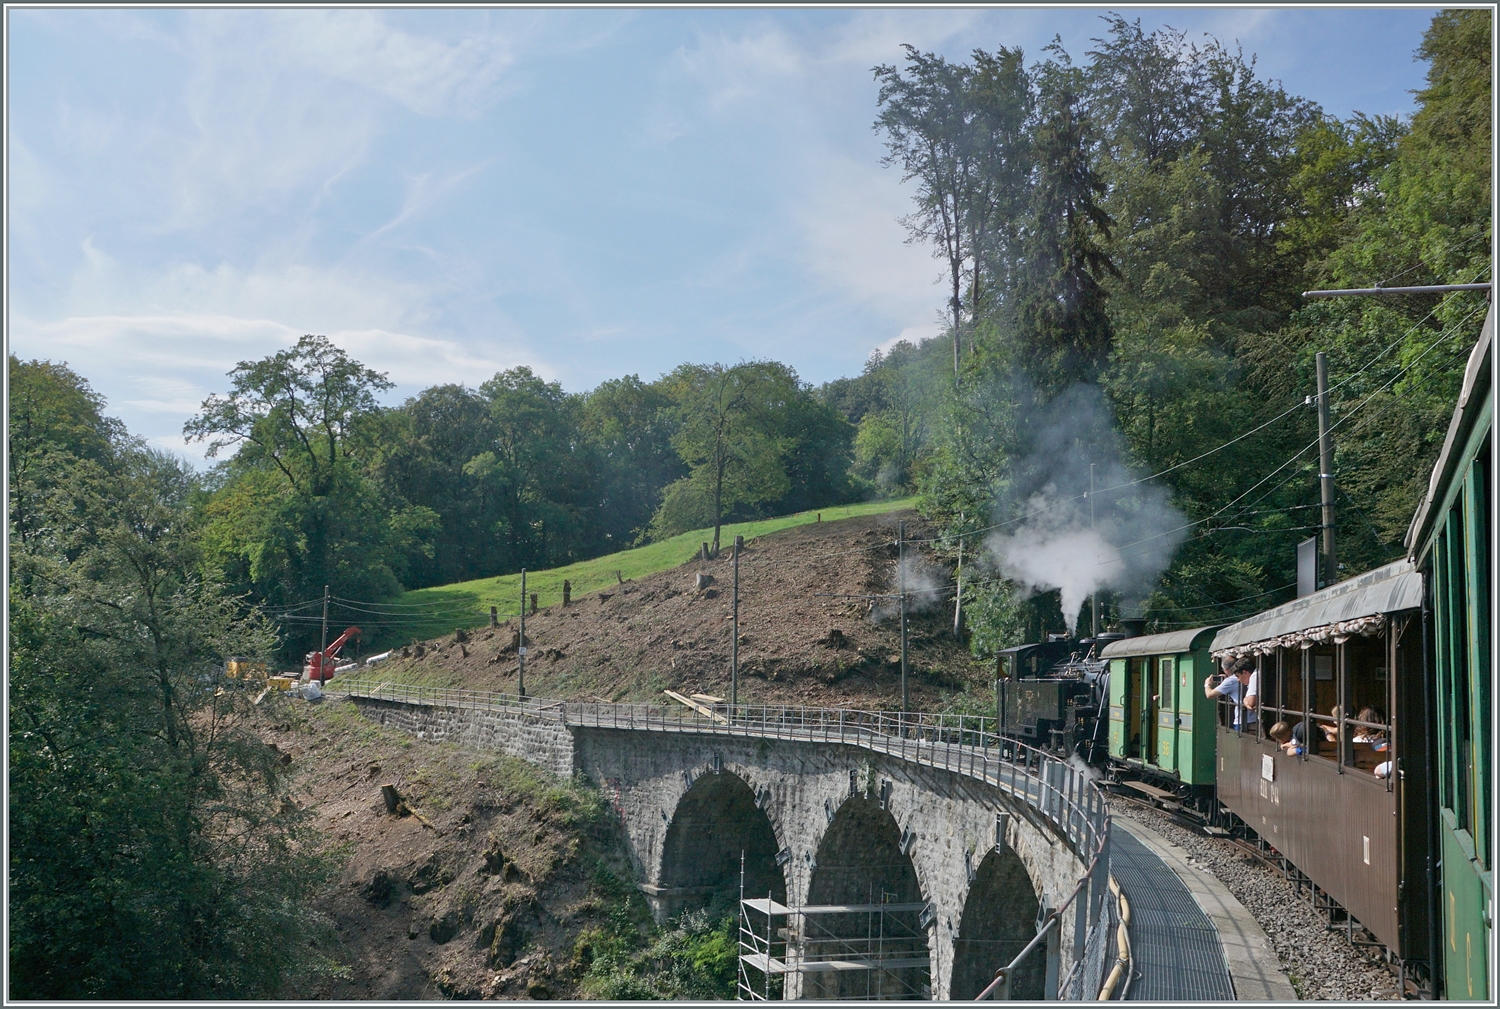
[(817, 944)]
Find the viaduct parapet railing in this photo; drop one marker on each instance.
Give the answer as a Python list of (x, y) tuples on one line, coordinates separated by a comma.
[(1052, 793)]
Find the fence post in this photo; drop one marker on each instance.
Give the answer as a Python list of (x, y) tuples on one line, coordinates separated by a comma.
[(1080, 924), (1054, 955)]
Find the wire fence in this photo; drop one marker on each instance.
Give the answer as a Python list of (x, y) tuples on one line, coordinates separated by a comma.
[(1087, 975), (1055, 795)]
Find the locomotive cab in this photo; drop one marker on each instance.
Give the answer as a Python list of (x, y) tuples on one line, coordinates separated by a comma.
[(1050, 694)]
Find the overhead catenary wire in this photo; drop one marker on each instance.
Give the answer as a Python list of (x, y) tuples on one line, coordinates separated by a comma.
[(1453, 331), (1368, 419), (1238, 438), (1337, 385), (405, 614)]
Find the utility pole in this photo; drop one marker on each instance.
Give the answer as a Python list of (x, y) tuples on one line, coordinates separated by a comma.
[(324, 646), (734, 646), (1093, 596), (901, 575), (521, 644), (1325, 472)]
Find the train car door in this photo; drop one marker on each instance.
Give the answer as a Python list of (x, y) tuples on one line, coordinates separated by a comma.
[(1118, 725), (1134, 688), (1460, 589), (1150, 709), (1166, 717)]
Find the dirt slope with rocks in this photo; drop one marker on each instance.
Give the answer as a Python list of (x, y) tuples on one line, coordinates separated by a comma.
[(809, 631), (487, 888)]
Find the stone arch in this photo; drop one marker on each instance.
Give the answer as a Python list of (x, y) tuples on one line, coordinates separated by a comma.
[(999, 919), (715, 820), (861, 861)]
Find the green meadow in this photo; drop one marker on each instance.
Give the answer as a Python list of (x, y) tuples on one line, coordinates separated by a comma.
[(428, 613)]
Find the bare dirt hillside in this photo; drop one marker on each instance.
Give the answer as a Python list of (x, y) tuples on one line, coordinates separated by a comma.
[(485, 891), (809, 634)]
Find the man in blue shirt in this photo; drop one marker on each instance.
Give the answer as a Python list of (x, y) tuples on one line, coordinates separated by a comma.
[(1241, 684)]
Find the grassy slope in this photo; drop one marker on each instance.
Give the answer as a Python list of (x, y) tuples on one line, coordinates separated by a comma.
[(467, 604)]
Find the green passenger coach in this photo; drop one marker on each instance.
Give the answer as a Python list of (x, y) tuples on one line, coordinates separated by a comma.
[(1450, 543), (1160, 722)]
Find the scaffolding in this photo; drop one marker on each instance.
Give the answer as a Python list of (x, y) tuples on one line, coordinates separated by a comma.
[(846, 952)]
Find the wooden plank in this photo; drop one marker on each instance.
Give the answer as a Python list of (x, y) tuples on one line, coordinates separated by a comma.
[(766, 906), (674, 695), (707, 698), (874, 963)]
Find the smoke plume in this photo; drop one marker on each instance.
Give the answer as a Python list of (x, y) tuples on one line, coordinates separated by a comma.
[(927, 584), (1052, 541)]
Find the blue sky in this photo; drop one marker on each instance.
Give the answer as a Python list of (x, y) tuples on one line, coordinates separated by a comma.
[(450, 193)]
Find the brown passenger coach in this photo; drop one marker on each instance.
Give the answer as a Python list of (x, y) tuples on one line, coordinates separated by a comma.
[(1349, 810)]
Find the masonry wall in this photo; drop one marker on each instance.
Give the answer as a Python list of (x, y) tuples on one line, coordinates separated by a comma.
[(548, 743)]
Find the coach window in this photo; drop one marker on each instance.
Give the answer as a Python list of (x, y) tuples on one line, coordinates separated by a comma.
[(1269, 697), (1291, 683), (1366, 662), (1322, 660)]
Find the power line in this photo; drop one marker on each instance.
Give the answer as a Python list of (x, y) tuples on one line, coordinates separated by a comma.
[(1312, 444), (1337, 385), (1260, 427), (1368, 419)]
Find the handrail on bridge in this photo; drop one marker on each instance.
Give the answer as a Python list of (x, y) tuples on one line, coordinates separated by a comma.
[(960, 743)]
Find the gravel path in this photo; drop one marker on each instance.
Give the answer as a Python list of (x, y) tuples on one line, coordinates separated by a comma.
[(1320, 963)]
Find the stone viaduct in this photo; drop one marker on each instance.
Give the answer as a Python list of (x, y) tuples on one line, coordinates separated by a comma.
[(825, 807)]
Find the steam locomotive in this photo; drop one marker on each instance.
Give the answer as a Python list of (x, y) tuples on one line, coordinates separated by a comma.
[(1052, 694)]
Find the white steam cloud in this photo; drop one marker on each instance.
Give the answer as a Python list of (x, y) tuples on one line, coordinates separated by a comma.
[(926, 585), (1123, 545)]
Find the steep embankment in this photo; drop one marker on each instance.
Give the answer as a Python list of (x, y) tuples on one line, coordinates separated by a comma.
[(500, 885), (810, 631)]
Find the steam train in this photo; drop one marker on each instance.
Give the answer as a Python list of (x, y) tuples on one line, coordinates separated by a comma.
[(1365, 763), (1050, 694)]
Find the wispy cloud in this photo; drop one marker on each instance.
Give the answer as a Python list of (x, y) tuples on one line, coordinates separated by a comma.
[(423, 192), (427, 75)]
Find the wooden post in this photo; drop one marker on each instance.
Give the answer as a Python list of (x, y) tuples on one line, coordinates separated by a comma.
[(533, 603), (317, 671), (494, 616), (521, 641), (567, 592), (901, 575), (958, 594), (734, 647), (1325, 472)]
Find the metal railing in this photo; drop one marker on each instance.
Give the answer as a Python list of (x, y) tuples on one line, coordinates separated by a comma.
[(1063, 797)]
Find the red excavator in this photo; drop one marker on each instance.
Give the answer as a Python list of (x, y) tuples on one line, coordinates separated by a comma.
[(320, 665)]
